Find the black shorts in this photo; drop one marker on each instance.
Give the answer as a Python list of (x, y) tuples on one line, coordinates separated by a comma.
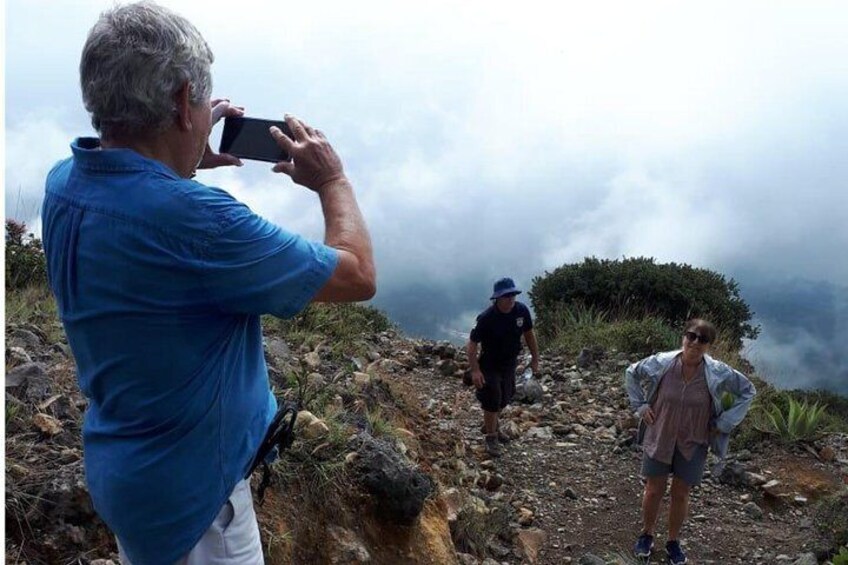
[(499, 388)]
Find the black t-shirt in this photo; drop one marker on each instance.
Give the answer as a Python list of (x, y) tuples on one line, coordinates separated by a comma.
[(501, 334)]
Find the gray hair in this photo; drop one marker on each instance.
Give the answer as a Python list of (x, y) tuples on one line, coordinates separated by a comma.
[(135, 59)]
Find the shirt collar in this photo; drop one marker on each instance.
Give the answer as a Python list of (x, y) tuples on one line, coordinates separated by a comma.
[(88, 154)]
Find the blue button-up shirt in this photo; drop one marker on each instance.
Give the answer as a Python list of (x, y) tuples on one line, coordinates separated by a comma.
[(160, 282)]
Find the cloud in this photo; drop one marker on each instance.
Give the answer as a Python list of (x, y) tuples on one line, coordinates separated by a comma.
[(487, 140), (33, 146)]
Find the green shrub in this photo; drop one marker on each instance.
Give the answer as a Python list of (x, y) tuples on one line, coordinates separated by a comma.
[(841, 558), (25, 262), (636, 288), (575, 327), (757, 427), (799, 421)]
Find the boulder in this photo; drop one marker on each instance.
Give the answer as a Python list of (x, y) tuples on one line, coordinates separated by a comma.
[(399, 489), (346, 547), (531, 541)]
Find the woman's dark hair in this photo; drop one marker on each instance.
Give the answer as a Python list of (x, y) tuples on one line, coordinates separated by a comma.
[(703, 327)]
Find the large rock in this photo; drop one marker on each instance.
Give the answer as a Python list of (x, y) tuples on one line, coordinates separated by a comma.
[(399, 489), (529, 391), (346, 547), (530, 541), (310, 426), (29, 382), (806, 559), (25, 339), (276, 348), (510, 429)]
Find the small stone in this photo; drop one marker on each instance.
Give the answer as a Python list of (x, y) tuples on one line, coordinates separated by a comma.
[(310, 426), (315, 381), (753, 511), (827, 454), (525, 516), (540, 433), (312, 360), (361, 379), (754, 479)]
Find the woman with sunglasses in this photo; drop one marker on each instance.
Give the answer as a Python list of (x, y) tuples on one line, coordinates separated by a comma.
[(681, 416)]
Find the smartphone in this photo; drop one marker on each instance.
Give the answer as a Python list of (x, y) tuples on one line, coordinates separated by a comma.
[(249, 138)]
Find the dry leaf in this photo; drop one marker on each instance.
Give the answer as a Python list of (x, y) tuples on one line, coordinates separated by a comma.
[(47, 424)]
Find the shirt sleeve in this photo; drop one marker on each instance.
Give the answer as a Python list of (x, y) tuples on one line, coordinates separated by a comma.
[(477, 331), (528, 320), (255, 267)]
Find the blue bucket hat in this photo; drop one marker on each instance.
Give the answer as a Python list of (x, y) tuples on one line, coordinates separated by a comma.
[(503, 287)]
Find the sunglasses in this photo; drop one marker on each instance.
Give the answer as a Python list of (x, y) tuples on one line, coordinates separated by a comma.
[(693, 337)]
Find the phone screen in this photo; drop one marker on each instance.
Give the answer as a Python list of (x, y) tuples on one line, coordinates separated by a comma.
[(249, 138)]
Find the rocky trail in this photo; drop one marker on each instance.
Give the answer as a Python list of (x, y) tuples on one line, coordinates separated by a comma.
[(565, 490), (570, 476)]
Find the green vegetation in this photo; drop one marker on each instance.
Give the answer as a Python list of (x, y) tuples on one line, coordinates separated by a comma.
[(650, 295), (572, 327), (473, 528), (800, 421), (342, 328), (378, 424), (831, 517), (758, 427), (25, 262), (841, 558)]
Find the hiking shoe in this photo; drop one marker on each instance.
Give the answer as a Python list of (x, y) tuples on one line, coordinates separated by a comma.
[(492, 446), (502, 437), (675, 553), (644, 545)]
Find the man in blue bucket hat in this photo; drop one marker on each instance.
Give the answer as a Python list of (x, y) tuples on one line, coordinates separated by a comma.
[(499, 329)]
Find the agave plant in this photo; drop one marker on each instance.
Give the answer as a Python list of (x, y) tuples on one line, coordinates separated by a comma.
[(799, 423)]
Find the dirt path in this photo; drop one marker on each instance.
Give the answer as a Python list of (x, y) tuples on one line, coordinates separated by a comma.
[(572, 468)]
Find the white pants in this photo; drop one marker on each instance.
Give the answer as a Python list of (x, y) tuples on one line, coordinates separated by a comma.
[(232, 539)]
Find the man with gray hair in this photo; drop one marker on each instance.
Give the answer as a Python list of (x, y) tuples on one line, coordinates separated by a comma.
[(160, 282)]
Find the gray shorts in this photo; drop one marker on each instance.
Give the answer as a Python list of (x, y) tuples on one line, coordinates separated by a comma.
[(691, 472)]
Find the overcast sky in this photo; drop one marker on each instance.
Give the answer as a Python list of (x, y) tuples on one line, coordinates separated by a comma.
[(486, 139)]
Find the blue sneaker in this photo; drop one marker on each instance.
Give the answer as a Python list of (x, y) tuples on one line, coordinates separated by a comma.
[(644, 545), (675, 553)]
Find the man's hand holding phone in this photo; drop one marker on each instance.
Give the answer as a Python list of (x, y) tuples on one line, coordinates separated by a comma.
[(315, 164), (221, 108)]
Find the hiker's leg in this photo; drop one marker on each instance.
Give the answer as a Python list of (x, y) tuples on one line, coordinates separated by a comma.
[(679, 507), (651, 500), (490, 400), (490, 422)]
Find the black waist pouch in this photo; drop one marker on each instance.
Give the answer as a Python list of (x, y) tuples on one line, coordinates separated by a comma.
[(278, 438)]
